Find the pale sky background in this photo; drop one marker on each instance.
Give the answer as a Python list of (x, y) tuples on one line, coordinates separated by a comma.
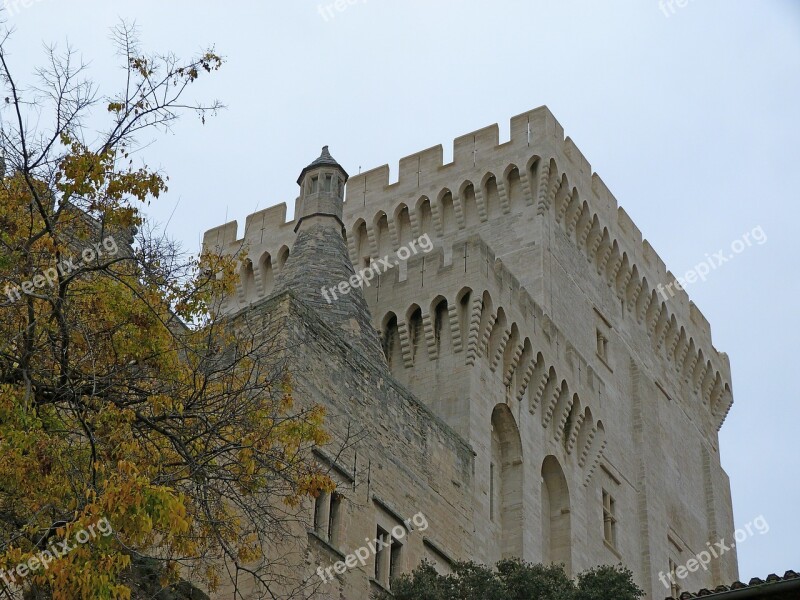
[(691, 120)]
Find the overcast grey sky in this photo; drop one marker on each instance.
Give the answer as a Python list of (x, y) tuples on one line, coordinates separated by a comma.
[(691, 120)]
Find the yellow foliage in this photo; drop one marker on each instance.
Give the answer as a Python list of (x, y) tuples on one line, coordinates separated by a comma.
[(121, 395)]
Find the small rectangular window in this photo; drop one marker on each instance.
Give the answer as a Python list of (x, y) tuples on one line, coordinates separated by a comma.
[(609, 519), (602, 345), (328, 183), (314, 184)]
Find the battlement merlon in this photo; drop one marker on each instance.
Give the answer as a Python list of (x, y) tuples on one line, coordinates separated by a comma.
[(536, 133), (259, 226), (537, 128)]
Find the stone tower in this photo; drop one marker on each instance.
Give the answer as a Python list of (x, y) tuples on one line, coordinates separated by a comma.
[(524, 385)]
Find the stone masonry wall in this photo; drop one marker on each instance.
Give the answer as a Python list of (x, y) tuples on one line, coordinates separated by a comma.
[(391, 456), (536, 332)]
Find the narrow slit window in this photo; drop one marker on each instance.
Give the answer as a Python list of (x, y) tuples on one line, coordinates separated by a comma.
[(491, 492)]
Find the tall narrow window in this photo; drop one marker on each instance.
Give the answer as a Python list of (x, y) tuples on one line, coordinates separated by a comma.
[(609, 519), (674, 588), (448, 213), (320, 516), (465, 308), (507, 489), (556, 521), (314, 184), (602, 345), (283, 256), (328, 183), (395, 566), (416, 332), (248, 279), (267, 276), (381, 557), (391, 342), (441, 320), (334, 519)]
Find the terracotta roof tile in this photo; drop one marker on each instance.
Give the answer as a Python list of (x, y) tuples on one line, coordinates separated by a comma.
[(774, 587)]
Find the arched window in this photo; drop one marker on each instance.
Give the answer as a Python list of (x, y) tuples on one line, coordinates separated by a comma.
[(441, 326), (492, 196), (465, 313), (496, 336), (267, 276), (248, 280), (571, 423), (362, 245), (449, 224), (391, 342), (415, 331), (283, 256), (403, 224), (514, 187), (556, 523), (505, 482), (382, 234), (470, 206), (425, 217)]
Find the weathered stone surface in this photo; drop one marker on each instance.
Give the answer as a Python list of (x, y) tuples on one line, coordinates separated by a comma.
[(528, 365)]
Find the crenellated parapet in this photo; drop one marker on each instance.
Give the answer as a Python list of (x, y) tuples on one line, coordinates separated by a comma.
[(538, 176), (540, 172), (266, 243), (551, 173)]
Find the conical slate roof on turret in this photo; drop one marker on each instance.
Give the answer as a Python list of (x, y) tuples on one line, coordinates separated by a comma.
[(325, 160), (319, 260), (318, 263)]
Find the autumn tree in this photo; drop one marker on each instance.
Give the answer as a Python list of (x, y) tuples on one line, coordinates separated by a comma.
[(125, 398), (514, 579)]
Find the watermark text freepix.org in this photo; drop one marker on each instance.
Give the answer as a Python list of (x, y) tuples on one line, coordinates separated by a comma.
[(715, 550), (14, 7), (328, 11), (107, 247), (373, 547), (365, 276), (712, 262), (668, 7), (55, 550)]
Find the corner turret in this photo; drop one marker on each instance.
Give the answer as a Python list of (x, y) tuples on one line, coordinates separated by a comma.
[(319, 265), (321, 190)]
